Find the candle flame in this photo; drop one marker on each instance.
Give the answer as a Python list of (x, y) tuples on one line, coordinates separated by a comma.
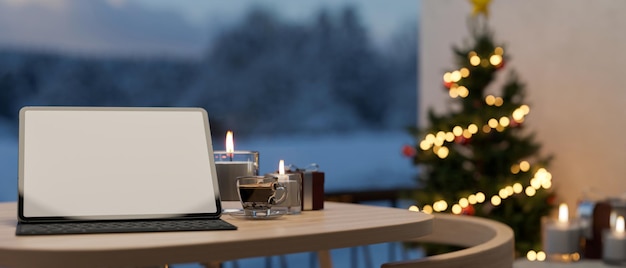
[(612, 219), (619, 225), (563, 213), (281, 167), (230, 144)]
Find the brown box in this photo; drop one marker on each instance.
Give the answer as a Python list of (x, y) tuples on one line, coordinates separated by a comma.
[(312, 189), (597, 216)]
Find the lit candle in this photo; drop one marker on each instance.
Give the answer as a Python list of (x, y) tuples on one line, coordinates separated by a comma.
[(563, 214), (562, 237), (612, 220), (230, 144), (614, 243), (231, 164), (281, 167), (293, 184)]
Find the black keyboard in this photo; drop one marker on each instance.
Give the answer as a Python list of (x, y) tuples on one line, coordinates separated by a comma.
[(122, 227)]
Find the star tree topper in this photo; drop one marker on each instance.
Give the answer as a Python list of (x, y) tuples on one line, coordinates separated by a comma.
[(480, 7)]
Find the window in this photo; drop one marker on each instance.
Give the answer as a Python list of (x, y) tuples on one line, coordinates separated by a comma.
[(330, 82)]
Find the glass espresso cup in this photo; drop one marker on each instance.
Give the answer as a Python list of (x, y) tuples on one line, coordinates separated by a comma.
[(259, 194)]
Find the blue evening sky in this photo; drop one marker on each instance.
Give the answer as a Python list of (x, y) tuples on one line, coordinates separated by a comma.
[(180, 28)]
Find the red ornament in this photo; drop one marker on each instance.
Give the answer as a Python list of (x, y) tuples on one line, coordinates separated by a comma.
[(469, 210), (461, 140), (551, 199), (408, 151), (447, 84), (501, 65)]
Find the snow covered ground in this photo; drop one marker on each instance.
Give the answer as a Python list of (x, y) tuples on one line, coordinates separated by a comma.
[(364, 160), (8, 164), (367, 160)]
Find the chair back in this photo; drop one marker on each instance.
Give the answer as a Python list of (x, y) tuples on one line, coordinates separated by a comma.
[(487, 244)]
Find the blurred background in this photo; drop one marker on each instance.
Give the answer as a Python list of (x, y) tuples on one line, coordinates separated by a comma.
[(326, 82), (329, 82)]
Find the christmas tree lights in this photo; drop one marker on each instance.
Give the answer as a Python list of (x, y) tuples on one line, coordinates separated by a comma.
[(478, 158), (541, 179)]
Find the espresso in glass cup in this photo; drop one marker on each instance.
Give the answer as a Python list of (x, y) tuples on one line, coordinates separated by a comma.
[(258, 194)]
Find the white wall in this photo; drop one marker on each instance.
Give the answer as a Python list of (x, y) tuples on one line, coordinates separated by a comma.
[(571, 56)]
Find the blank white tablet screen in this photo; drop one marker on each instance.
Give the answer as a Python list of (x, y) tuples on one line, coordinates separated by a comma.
[(100, 163)]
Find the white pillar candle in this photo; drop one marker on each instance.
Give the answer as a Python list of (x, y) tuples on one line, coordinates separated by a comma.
[(563, 235), (293, 184), (614, 243), (227, 173), (231, 164)]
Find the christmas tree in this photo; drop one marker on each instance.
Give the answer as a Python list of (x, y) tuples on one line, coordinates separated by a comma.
[(477, 158)]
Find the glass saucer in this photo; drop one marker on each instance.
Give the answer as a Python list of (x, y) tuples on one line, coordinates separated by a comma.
[(272, 214), (231, 210)]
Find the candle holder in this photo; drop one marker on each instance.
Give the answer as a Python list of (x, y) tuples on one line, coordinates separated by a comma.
[(293, 184), (614, 243), (562, 237), (614, 248), (229, 166)]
